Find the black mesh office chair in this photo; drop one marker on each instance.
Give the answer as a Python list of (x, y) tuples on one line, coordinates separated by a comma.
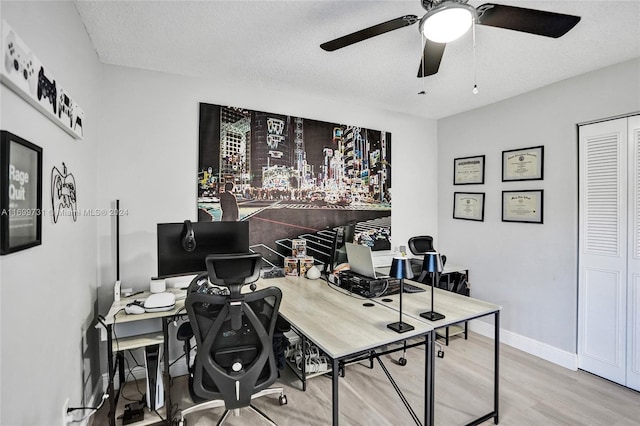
[(234, 361)]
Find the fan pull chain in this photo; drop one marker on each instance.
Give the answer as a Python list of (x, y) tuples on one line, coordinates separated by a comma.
[(475, 85), (422, 43)]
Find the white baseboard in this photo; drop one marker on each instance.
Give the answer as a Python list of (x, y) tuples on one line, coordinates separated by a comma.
[(541, 350)]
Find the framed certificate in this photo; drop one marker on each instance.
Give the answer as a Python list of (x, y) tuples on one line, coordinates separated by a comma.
[(522, 206), (468, 206), (468, 170), (20, 193), (523, 164)]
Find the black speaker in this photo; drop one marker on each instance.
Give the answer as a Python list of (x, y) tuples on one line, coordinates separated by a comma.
[(344, 234)]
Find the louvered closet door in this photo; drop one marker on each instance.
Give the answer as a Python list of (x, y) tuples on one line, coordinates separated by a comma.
[(602, 309), (633, 264)]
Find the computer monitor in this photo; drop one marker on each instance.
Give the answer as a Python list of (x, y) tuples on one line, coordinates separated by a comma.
[(344, 234), (176, 258)]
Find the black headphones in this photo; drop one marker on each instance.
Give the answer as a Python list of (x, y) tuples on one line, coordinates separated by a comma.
[(189, 238)]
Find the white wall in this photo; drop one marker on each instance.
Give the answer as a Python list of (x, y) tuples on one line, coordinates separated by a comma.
[(149, 157), (140, 147), (48, 292), (529, 269)]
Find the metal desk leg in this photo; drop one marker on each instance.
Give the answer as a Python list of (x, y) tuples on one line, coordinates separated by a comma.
[(112, 373), (335, 377), (496, 361), (496, 376), (429, 379), (167, 373), (303, 355), (121, 377)]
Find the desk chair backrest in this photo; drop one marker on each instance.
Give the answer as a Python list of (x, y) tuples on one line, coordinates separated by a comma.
[(420, 246), (234, 332)]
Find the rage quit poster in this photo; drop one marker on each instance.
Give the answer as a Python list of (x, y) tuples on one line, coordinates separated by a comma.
[(21, 193)]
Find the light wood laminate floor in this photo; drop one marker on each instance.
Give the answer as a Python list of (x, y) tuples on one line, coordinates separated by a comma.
[(532, 392)]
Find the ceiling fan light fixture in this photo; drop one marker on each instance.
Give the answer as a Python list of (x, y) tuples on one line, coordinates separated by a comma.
[(447, 21)]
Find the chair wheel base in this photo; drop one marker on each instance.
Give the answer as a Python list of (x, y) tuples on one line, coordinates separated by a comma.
[(282, 399), (402, 361)]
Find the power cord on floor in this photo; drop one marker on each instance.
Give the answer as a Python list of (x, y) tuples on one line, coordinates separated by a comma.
[(70, 418)]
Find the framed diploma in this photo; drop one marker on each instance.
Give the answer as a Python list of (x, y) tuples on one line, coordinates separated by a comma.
[(20, 193), (523, 164), (468, 206), (522, 206), (468, 170)]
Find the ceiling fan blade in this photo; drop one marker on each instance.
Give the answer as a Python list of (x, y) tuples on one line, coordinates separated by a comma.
[(385, 27), (431, 58), (540, 22)]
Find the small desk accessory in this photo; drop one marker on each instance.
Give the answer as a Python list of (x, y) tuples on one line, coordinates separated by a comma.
[(401, 269), (313, 273), (157, 285), (158, 302), (433, 264)]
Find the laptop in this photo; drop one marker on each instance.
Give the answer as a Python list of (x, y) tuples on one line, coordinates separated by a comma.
[(360, 261)]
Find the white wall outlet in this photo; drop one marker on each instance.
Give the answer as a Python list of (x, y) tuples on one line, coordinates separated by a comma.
[(65, 415), (116, 291)]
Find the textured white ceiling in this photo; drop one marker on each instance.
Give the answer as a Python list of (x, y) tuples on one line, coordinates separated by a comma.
[(276, 44)]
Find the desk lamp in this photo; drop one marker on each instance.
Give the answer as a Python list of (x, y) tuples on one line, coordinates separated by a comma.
[(433, 264), (400, 269)]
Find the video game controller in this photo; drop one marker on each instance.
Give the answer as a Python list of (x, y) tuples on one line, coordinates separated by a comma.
[(65, 106), (29, 74), (63, 193), (47, 89), (79, 117), (12, 58), (135, 307), (16, 60)]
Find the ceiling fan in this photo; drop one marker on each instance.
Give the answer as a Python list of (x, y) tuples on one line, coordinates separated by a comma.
[(446, 20)]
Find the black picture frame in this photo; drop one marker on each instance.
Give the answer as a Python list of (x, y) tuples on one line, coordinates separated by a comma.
[(468, 206), (468, 170), (20, 193), (523, 164), (524, 206)]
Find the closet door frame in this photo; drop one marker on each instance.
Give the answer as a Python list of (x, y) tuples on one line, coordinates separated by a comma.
[(633, 262), (602, 288)]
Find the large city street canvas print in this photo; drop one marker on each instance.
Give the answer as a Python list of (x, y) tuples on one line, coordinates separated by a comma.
[(293, 177)]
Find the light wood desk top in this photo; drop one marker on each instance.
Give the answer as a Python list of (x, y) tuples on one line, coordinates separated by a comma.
[(455, 307), (336, 322), (117, 314)]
